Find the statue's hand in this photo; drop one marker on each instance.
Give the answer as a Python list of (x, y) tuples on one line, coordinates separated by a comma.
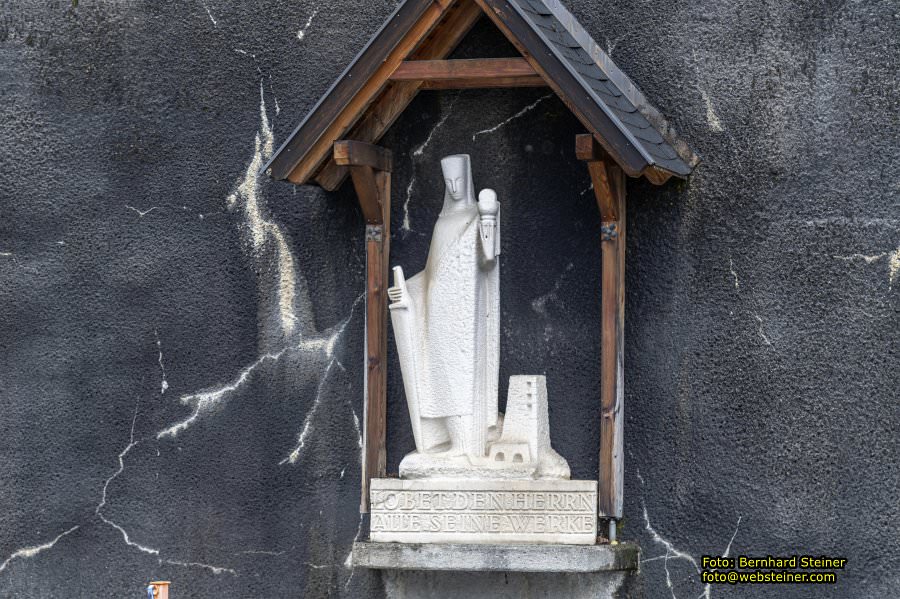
[(399, 294), (488, 205), (488, 208)]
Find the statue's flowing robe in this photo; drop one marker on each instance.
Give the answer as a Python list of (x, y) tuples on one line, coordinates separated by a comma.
[(456, 303)]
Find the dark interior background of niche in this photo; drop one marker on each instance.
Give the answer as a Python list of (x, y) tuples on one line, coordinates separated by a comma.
[(550, 261)]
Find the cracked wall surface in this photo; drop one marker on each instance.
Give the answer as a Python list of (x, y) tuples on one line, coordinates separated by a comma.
[(181, 392)]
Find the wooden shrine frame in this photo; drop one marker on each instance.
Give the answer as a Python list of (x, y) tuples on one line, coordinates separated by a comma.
[(370, 168), (626, 137)]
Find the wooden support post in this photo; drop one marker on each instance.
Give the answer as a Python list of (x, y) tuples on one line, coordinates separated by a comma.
[(370, 167), (609, 189)]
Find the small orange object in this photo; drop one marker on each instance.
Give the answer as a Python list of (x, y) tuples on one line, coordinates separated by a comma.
[(160, 589)]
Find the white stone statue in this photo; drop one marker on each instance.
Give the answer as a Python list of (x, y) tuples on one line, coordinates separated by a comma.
[(447, 329)]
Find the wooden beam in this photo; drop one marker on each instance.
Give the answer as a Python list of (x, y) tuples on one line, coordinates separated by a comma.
[(479, 83), (373, 188), (656, 175), (358, 153), (470, 73), (456, 23), (356, 101), (600, 176), (588, 149), (365, 181), (609, 190)]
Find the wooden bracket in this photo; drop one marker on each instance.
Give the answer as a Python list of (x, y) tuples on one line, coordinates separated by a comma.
[(370, 166), (609, 190), (360, 153)]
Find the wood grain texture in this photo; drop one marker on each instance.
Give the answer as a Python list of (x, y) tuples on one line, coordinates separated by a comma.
[(609, 190), (458, 19), (357, 89), (358, 153), (378, 238), (587, 148), (367, 192), (657, 176), (358, 74), (373, 189), (486, 83), (469, 69), (617, 485)]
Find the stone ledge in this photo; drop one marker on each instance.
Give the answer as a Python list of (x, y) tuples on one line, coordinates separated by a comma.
[(496, 558)]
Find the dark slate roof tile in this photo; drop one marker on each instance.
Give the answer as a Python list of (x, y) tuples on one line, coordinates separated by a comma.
[(617, 103), (566, 39), (611, 88), (599, 87), (554, 36), (535, 6), (649, 134), (570, 54), (595, 78), (590, 71), (634, 119), (544, 21), (662, 150), (583, 57)]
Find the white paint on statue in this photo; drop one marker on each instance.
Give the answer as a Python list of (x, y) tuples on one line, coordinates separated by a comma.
[(526, 430), (475, 477), (446, 324)]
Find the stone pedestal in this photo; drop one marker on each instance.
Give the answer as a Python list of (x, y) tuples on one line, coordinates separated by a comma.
[(484, 511), (433, 571), (516, 585)]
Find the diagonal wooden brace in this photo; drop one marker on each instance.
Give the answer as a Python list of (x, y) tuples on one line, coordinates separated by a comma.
[(370, 166)]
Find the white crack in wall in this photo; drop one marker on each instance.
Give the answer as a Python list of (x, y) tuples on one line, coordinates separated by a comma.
[(211, 18), (712, 119), (893, 262), (29, 552), (98, 511), (893, 268), (263, 234), (417, 154), (301, 34), (142, 213), (518, 115), (673, 553), (164, 383), (760, 322), (269, 250)]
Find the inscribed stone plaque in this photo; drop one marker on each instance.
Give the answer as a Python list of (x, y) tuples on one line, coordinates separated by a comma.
[(484, 511)]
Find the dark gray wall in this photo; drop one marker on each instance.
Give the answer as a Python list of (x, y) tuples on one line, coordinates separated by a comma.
[(180, 382)]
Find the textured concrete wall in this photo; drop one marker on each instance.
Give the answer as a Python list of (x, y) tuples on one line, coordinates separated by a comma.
[(181, 384)]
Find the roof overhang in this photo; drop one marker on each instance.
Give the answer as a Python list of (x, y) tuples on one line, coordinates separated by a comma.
[(389, 72)]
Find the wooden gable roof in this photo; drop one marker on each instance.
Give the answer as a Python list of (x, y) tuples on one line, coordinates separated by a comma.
[(383, 79)]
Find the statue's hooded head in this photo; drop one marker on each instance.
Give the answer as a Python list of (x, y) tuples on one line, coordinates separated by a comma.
[(460, 191)]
